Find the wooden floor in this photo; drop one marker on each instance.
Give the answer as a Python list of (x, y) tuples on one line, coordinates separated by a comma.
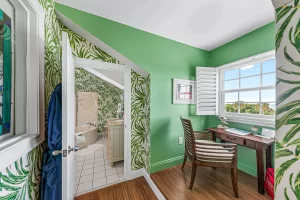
[(136, 189), (209, 184)]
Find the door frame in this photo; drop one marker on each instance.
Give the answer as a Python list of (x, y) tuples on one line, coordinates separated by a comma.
[(98, 64)]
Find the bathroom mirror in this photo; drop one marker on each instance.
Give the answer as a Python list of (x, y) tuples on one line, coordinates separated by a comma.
[(183, 91)]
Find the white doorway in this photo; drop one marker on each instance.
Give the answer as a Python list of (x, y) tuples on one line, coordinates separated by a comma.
[(95, 170), (72, 186)]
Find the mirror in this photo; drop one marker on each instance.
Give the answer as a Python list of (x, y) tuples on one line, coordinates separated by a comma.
[(183, 91)]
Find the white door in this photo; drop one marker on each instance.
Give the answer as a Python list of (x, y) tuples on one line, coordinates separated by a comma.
[(68, 120)]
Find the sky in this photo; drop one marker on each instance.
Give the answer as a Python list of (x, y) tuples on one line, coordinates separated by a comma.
[(268, 78)]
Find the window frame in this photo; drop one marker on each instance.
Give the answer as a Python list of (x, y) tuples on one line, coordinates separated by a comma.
[(9, 135), (246, 118), (29, 20)]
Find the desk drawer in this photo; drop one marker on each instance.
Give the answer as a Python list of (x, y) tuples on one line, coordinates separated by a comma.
[(232, 139)]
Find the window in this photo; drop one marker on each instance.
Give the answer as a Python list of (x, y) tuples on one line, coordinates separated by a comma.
[(21, 78), (247, 90), (6, 71)]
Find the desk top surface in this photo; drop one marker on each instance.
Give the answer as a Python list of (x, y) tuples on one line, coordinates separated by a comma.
[(247, 137)]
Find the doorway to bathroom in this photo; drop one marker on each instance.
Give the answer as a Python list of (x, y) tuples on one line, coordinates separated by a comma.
[(102, 118)]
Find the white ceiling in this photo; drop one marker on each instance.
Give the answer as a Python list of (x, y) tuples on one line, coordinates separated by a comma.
[(117, 76), (205, 24)]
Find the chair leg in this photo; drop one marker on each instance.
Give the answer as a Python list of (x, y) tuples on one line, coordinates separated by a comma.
[(184, 161), (234, 179), (194, 169)]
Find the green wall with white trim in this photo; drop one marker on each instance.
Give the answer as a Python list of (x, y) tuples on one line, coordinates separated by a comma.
[(165, 59), (256, 42)]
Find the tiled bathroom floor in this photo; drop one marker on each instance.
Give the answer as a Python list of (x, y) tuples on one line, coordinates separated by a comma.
[(93, 171)]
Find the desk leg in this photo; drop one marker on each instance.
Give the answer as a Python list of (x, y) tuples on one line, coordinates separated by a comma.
[(269, 156), (213, 138), (260, 168), (213, 135)]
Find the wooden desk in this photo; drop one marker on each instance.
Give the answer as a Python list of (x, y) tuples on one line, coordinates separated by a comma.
[(263, 147)]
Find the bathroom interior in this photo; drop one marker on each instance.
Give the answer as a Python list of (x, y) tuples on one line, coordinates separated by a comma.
[(99, 131)]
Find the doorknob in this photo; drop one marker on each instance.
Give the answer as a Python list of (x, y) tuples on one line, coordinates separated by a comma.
[(76, 148), (70, 149)]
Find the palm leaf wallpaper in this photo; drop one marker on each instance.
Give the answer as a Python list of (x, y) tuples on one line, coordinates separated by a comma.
[(287, 164), (108, 94), (21, 180), (140, 121), (140, 100)]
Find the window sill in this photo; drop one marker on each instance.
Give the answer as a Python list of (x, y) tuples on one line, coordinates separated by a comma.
[(258, 121), (16, 147)]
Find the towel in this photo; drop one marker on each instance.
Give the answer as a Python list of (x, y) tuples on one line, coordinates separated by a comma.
[(80, 137)]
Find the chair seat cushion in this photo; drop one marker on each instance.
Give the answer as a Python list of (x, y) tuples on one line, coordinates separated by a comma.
[(213, 153)]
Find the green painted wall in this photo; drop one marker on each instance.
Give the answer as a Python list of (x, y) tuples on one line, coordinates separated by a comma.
[(253, 43), (164, 59)]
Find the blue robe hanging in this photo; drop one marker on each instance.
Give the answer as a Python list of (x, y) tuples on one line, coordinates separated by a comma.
[(52, 172)]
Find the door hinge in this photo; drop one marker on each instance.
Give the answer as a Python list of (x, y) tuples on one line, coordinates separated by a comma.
[(65, 153)]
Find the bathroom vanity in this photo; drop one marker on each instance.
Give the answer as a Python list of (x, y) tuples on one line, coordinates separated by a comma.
[(115, 140)]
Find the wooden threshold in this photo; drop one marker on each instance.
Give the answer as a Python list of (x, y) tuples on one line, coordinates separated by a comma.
[(210, 184), (136, 189)]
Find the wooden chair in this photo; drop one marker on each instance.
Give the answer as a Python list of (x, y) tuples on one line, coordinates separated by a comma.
[(202, 150)]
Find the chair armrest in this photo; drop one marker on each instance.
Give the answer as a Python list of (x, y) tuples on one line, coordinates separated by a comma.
[(199, 142), (206, 135), (201, 132)]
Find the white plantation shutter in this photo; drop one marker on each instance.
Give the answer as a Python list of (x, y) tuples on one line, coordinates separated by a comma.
[(206, 91)]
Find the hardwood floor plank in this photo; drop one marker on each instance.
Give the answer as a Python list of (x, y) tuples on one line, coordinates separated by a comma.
[(210, 184), (136, 189)]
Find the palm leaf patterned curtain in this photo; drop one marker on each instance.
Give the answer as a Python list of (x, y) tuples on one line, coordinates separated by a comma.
[(287, 42)]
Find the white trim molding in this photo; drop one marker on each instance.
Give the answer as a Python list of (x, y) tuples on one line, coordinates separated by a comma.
[(105, 78), (142, 172), (154, 188), (252, 120), (245, 118), (98, 43), (278, 3), (30, 57), (97, 64), (249, 60)]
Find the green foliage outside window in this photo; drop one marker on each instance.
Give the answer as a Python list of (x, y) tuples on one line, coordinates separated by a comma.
[(252, 108)]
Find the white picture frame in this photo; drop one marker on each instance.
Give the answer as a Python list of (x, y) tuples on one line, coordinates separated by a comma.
[(188, 94)]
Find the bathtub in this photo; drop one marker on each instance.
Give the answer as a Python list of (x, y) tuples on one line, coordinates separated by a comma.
[(90, 133)]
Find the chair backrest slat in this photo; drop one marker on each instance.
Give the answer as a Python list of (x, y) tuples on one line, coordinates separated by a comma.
[(203, 149), (188, 135)]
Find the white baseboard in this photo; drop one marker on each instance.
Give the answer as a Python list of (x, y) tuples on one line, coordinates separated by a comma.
[(154, 188), (142, 172), (137, 173)]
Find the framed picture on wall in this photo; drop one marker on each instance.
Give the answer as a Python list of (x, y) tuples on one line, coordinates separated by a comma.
[(183, 91)]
